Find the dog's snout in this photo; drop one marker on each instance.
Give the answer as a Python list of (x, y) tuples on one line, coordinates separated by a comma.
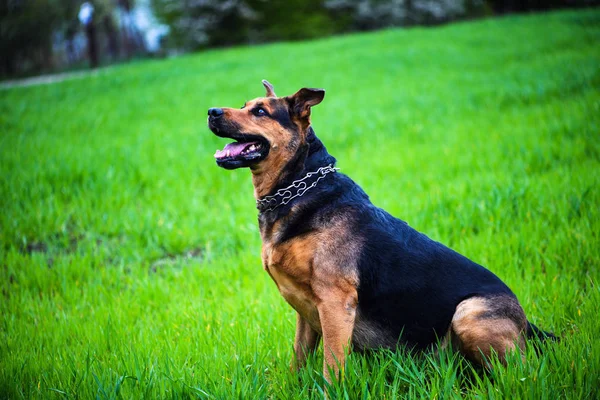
[(215, 112)]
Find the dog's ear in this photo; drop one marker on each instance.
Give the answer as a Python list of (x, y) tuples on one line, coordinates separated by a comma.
[(301, 101), (269, 87)]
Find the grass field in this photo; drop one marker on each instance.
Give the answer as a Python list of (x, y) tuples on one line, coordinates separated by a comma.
[(130, 263)]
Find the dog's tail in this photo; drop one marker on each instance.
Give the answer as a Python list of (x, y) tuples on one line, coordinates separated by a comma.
[(533, 332)]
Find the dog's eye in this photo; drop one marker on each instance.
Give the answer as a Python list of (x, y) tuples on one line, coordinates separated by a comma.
[(259, 112)]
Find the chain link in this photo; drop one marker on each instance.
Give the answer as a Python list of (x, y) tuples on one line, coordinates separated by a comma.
[(285, 195)]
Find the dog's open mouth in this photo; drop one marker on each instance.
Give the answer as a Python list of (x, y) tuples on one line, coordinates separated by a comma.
[(243, 152), (247, 150)]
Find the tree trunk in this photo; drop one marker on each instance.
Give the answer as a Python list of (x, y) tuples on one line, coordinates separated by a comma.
[(90, 31)]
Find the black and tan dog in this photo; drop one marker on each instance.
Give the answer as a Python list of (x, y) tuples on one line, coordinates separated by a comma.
[(355, 274)]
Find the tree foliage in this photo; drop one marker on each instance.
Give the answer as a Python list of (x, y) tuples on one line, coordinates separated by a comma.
[(27, 27), (26, 30), (205, 23)]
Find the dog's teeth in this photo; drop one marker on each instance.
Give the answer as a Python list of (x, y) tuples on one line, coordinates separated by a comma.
[(252, 148), (228, 153)]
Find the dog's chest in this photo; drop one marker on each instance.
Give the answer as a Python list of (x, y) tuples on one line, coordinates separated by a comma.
[(291, 273)]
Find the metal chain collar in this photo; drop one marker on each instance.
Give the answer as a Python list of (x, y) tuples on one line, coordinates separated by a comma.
[(285, 195)]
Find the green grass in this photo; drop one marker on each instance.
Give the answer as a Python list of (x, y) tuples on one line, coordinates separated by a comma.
[(130, 264)]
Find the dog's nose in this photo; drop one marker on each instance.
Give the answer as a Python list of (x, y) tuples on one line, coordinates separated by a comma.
[(215, 112)]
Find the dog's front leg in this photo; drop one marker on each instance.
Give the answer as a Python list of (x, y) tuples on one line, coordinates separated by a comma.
[(306, 342), (337, 311)]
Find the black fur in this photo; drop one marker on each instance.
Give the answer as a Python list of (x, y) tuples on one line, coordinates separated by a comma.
[(281, 114)]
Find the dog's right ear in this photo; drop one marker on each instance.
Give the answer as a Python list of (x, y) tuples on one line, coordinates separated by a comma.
[(304, 99), (269, 87)]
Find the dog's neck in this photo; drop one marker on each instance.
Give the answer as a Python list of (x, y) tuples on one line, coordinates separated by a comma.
[(312, 156)]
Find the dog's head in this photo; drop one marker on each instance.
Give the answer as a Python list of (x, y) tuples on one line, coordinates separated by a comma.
[(268, 131)]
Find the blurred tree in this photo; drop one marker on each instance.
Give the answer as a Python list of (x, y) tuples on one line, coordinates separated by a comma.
[(88, 18), (26, 33), (130, 36), (293, 20), (204, 23), (375, 14), (28, 27), (512, 6), (439, 11), (201, 23), (112, 36), (369, 14), (101, 30)]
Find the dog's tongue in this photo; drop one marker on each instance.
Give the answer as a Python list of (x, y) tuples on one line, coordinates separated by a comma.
[(233, 149)]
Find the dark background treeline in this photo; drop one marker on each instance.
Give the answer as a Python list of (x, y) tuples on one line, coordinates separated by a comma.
[(46, 35), (197, 23)]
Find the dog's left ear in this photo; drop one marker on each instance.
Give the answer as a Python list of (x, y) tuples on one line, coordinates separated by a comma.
[(304, 99)]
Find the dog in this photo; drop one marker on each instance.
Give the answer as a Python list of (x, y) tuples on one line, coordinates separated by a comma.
[(357, 276)]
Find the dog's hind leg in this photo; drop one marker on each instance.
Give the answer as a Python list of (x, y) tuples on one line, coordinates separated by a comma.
[(485, 325), (305, 342)]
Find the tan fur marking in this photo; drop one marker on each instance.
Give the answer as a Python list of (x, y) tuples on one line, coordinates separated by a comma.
[(316, 274), (476, 335), (305, 342), (337, 312)]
